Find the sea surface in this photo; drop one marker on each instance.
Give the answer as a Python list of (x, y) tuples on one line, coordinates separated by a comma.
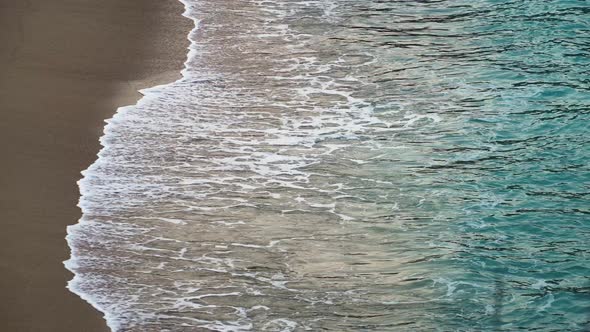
[(351, 165)]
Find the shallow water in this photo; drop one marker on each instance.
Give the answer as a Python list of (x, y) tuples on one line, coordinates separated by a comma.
[(351, 166)]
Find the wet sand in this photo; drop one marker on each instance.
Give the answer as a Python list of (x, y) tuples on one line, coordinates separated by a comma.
[(65, 65)]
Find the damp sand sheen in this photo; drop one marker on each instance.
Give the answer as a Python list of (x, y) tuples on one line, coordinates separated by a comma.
[(350, 166)]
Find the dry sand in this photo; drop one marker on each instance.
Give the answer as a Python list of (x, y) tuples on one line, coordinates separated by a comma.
[(65, 66)]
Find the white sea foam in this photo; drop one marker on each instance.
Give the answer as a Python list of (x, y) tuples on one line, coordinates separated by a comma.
[(255, 178), (75, 285)]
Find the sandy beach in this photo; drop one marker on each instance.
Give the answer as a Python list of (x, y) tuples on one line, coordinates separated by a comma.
[(66, 66)]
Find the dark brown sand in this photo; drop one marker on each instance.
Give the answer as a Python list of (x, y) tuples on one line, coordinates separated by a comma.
[(65, 66)]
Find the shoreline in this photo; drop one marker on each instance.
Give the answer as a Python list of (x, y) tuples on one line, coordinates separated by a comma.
[(67, 66)]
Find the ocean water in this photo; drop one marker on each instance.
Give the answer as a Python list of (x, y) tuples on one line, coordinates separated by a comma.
[(347, 165)]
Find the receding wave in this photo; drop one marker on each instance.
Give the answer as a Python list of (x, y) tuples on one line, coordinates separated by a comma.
[(350, 166)]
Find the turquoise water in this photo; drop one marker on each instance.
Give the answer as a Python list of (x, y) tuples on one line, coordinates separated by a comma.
[(351, 166), (516, 173), (512, 179)]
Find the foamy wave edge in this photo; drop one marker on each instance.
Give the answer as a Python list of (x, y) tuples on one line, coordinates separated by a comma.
[(71, 264)]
